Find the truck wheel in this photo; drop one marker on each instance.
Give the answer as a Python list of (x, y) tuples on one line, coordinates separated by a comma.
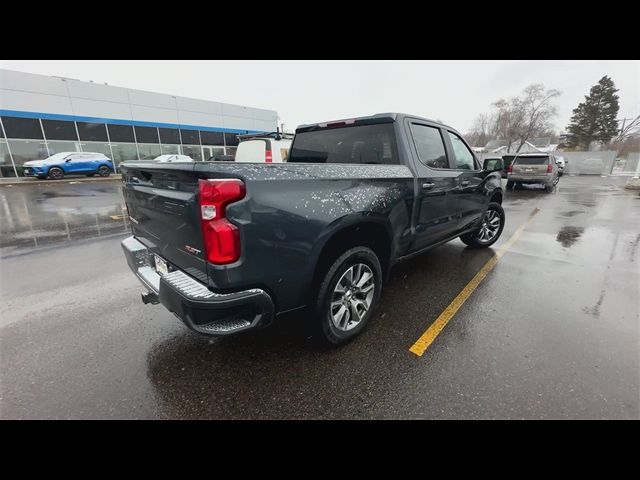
[(348, 295), (548, 187), (56, 173), (489, 231), (509, 184), (104, 171)]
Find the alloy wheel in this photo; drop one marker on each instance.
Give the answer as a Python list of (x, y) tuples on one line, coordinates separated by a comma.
[(352, 297)]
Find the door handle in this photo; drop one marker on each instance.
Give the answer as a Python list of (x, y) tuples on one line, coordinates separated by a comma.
[(428, 186), (464, 183)]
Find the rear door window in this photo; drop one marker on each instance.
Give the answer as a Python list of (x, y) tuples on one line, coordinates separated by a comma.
[(531, 160), (360, 144), (429, 145)]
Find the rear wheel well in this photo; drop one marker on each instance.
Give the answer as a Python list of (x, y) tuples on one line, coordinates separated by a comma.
[(371, 235)]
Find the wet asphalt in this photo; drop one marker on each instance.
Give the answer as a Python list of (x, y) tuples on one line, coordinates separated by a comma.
[(551, 332)]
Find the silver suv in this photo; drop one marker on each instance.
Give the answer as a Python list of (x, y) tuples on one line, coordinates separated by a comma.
[(540, 168)]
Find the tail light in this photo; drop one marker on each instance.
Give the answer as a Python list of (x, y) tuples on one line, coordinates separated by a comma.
[(221, 238), (510, 168), (549, 168), (267, 156)]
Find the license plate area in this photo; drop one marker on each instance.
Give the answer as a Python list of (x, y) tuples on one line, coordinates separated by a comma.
[(161, 265)]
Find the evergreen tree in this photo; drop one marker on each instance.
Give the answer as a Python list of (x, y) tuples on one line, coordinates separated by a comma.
[(595, 118)]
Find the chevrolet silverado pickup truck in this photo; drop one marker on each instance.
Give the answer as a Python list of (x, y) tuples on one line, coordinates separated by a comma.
[(227, 247)]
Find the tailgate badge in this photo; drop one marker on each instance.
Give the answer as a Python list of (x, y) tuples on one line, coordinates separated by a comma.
[(190, 249)]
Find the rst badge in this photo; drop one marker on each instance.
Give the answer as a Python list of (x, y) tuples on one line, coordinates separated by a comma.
[(190, 249)]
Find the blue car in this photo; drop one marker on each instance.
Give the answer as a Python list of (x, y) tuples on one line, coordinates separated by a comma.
[(69, 163)]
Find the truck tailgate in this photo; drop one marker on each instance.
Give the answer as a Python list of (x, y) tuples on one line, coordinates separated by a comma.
[(162, 203)]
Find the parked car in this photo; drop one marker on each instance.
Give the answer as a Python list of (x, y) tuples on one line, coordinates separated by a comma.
[(533, 168), (561, 164), (228, 246), (69, 163), (263, 148), (173, 158), (506, 161)]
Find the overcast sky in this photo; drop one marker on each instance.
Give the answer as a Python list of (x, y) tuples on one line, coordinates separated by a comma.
[(312, 91)]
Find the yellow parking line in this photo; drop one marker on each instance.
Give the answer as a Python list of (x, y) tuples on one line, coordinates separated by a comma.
[(116, 217), (430, 334)]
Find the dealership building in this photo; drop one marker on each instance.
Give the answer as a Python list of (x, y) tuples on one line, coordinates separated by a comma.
[(42, 115)]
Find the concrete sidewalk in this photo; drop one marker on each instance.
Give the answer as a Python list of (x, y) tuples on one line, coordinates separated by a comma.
[(13, 181)]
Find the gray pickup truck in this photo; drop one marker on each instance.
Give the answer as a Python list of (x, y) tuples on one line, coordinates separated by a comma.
[(227, 247)]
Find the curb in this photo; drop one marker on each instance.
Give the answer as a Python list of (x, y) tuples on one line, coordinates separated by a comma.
[(13, 183)]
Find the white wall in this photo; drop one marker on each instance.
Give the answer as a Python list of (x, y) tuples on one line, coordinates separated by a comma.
[(29, 92)]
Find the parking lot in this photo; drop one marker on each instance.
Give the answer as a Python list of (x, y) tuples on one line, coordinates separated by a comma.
[(550, 332)]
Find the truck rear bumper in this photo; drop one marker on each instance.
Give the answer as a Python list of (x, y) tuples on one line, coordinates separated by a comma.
[(204, 311)]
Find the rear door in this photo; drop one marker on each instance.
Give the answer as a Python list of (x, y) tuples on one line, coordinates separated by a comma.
[(436, 217), (468, 195), (252, 151), (162, 201)]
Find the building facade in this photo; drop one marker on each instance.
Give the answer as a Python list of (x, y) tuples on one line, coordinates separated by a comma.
[(42, 115)]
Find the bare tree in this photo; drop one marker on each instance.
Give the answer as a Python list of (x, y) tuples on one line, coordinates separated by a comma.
[(628, 130), (480, 134), (508, 119), (518, 119), (537, 112)]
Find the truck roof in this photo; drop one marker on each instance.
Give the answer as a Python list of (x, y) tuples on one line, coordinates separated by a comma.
[(370, 119)]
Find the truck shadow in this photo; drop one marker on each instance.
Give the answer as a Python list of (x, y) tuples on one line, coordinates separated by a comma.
[(280, 372)]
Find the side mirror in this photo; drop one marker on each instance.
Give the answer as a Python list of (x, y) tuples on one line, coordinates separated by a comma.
[(493, 164)]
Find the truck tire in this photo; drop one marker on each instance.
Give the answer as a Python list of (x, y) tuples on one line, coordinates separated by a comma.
[(509, 184), (56, 173), (489, 231), (348, 294)]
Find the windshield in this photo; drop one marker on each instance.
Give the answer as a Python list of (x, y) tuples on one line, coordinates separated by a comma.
[(364, 144), (531, 160), (58, 156)]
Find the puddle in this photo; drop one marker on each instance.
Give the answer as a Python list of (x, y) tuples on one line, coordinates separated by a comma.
[(571, 213), (568, 235)]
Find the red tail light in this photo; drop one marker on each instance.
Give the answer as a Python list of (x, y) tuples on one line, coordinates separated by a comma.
[(510, 168), (267, 156), (221, 237), (549, 168)]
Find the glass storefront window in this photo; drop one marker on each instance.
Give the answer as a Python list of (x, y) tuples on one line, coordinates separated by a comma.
[(59, 130), (96, 147), (170, 149), (25, 150), (211, 138), (6, 167), (121, 133), (93, 132), (231, 139), (193, 151), (149, 151), (56, 146), (123, 152), (210, 152), (147, 135), (18, 127), (169, 135)]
